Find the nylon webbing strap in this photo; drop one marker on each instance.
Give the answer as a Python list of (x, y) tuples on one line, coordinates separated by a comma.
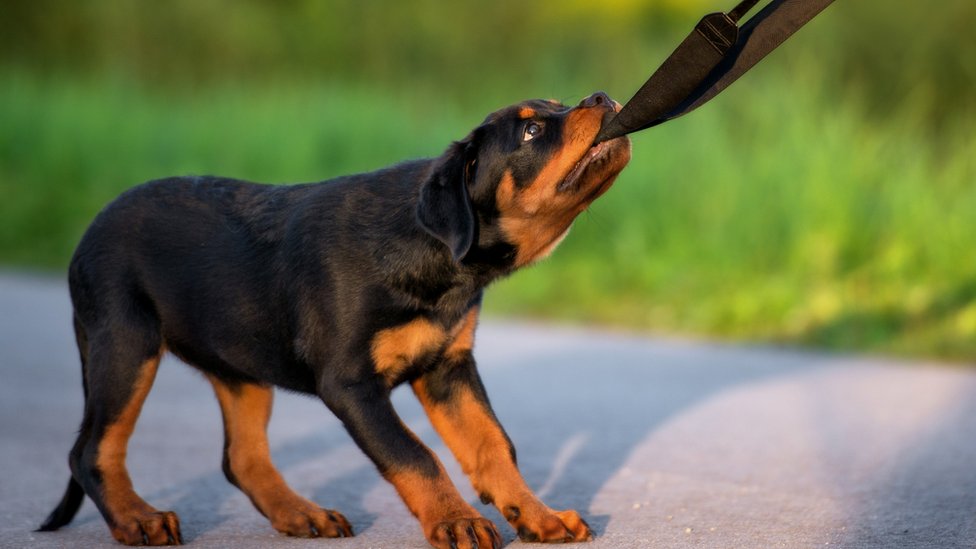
[(710, 59)]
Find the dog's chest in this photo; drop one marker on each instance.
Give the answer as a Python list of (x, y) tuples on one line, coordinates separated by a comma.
[(400, 350)]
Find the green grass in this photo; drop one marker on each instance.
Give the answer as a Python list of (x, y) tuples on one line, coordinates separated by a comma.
[(792, 218), (69, 146)]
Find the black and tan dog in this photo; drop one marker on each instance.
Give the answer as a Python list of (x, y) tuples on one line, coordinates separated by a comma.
[(342, 289)]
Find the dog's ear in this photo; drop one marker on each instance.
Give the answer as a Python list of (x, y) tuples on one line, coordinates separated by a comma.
[(444, 209)]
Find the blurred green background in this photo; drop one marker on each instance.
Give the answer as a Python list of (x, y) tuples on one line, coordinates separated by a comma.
[(828, 198)]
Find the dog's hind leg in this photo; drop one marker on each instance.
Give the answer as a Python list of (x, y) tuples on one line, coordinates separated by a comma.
[(121, 367), (246, 408)]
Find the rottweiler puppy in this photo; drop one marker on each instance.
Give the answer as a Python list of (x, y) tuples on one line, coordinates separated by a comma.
[(342, 289)]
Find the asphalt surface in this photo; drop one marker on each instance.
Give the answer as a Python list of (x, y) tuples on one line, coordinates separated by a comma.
[(658, 443)]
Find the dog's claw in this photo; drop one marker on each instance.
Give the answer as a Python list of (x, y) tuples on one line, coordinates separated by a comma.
[(470, 533)]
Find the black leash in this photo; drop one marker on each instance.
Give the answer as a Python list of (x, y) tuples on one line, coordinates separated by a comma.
[(710, 59)]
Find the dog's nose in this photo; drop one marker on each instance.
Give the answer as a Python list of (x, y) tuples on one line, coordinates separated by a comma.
[(598, 98)]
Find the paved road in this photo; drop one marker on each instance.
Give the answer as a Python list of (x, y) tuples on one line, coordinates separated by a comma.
[(659, 443)]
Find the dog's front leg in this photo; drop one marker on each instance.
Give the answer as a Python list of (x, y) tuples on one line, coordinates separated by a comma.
[(447, 520), (458, 407)]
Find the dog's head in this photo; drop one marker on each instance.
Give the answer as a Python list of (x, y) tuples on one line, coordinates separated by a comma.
[(516, 183)]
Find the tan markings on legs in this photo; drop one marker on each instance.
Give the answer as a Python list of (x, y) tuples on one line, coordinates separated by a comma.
[(447, 520), (395, 349), (481, 447), (131, 520), (246, 409)]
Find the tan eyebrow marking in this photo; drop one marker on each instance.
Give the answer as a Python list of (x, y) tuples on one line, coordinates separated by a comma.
[(526, 112)]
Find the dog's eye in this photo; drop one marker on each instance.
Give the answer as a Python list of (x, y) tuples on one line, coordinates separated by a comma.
[(532, 130)]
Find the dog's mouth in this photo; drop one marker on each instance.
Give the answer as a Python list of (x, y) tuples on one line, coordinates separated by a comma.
[(599, 162)]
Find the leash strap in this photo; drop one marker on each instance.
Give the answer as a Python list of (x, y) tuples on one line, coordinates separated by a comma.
[(709, 60)]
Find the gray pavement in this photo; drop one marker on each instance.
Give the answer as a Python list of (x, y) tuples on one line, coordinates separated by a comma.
[(659, 443)]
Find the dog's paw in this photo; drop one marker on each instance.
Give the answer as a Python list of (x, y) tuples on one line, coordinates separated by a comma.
[(308, 521), (147, 527), (465, 533), (549, 526)]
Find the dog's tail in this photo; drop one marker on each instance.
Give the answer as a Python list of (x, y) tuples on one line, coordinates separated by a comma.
[(66, 509), (74, 494)]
